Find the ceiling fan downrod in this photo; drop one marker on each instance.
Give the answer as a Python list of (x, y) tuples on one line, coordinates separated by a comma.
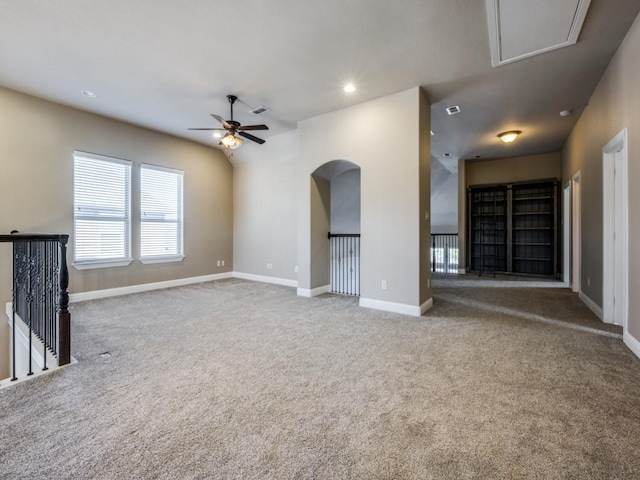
[(232, 99)]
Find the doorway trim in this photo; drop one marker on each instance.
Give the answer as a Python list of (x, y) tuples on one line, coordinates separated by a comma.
[(615, 281), (575, 232), (566, 234)]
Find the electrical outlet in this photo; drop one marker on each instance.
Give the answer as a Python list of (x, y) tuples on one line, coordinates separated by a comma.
[(428, 283), (295, 269), (223, 263), (218, 263), (384, 285)]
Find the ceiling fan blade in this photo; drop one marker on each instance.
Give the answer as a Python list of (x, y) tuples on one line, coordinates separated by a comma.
[(253, 127), (221, 120), (206, 129), (251, 137)]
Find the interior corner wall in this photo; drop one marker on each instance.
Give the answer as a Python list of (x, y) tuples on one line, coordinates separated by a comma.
[(345, 202), (390, 206), (444, 198), (37, 141), (264, 208), (424, 213), (615, 104), (320, 203)]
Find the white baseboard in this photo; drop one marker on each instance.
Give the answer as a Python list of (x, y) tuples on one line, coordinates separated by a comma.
[(462, 271), (314, 292), (632, 343), (426, 306), (262, 278), (593, 306), (413, 310), (145, 287)]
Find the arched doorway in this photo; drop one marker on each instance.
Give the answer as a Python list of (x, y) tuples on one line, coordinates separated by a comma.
[(335, 228)]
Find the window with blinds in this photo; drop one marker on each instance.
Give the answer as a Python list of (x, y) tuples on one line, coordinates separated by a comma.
[(102, 210), (161, 225)]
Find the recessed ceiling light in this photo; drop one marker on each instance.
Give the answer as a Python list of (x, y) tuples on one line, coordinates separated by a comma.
[(432, 132), (565, 113), (477, 156), (217, 135), (508, 137), (349, 88), (446, 155), (88, 93)]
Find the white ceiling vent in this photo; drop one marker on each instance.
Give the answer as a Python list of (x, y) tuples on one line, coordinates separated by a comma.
[(453, 109), (259, 110), (519, 29)]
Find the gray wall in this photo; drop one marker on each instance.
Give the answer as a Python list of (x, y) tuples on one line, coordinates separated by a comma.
[(424, 196), (345, 202), (264, 208), (320, 204), (615, 104), (392, 211), (37, 140), (444, 198)]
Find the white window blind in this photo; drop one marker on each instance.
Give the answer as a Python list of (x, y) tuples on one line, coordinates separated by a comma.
[(161, 206), (102, 208)]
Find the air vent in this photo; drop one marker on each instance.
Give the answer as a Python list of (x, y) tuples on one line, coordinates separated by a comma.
[(453, 109), (259, 110)]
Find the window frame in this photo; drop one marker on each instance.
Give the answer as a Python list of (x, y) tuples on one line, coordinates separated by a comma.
[(177, 257), (86, 264)]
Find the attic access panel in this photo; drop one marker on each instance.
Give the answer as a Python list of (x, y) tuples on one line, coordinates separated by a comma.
[(519, 29)]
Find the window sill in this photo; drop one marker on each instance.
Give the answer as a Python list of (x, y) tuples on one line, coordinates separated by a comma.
[(125, 262), (173, 258)]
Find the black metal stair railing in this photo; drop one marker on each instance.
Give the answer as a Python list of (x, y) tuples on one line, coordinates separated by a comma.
[(40, 297), (345, 263), (444, 252)]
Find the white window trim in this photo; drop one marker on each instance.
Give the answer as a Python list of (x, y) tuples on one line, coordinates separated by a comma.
[(114, 262), (168, 258), (91, 264)]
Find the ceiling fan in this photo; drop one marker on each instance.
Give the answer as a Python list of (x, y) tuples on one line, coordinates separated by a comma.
[(232, 128)]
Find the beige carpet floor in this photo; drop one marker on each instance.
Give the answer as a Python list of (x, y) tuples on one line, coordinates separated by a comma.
[(241, 380)]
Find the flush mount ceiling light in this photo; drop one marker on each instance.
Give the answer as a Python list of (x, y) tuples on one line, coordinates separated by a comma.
[(231, 141), (510, 136), (88, 93), (349, 88)]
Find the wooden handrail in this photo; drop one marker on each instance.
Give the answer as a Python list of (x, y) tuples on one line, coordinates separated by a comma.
[(337, 235)]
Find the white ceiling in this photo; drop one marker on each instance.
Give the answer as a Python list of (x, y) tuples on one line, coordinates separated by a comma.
[(168, 64)]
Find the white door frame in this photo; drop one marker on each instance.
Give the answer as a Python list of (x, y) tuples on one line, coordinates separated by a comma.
[(566, 234), (575, 233), (615, 241)]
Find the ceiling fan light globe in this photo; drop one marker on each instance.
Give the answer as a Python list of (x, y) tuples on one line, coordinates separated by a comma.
[(237, 143), (231, 141)]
